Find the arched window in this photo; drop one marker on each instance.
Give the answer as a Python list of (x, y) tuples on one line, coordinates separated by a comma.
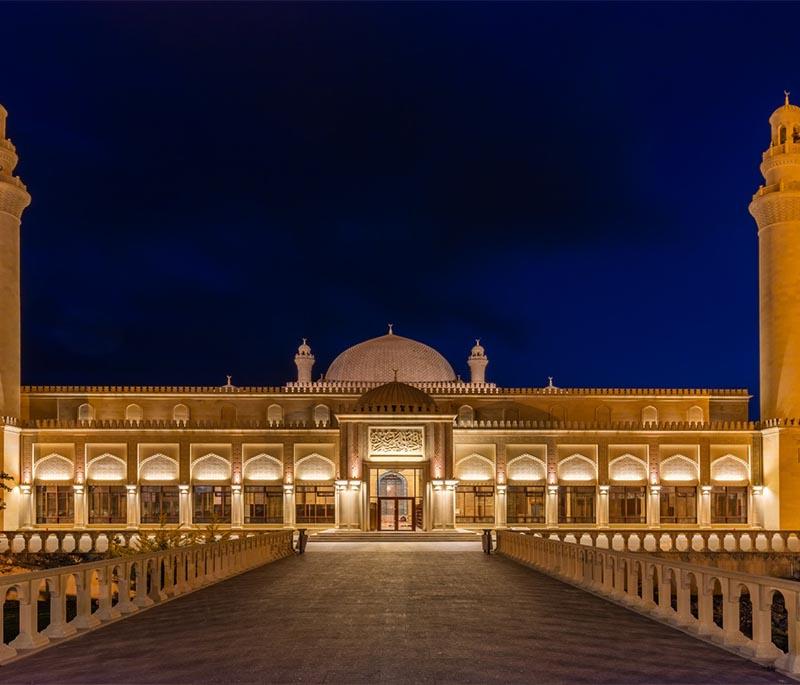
[(180, 413), (133, 412), (781, 135), (86, 412), (466, 415), (650, 415), (322, 415), (695, 414), (392, 485), (274, 415)]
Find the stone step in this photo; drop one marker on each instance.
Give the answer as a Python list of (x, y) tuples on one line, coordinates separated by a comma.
[(394, 536)]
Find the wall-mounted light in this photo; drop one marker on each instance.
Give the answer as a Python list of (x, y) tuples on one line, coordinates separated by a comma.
[(25, 488), (604, 489), (758, 489), (655, 489), (355, 484), (184, 489), (78, 488), (236, 489), (131, 488), (340, 485), (552, 489), (288, 488), (706, 489), (437, 484)]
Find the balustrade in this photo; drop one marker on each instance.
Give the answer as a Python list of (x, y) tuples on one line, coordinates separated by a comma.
[(681, 594), (676, 540), (140, 580)]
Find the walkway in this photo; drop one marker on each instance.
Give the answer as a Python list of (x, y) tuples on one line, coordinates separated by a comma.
[(392, 612)]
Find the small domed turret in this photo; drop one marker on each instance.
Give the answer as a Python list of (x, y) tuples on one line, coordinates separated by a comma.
[(304, 361), (478, 361)]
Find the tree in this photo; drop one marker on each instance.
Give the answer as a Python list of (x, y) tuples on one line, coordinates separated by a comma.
[(4, 487)]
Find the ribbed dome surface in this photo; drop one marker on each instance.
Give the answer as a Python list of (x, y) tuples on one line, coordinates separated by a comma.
[(376, 360), (396, 398)]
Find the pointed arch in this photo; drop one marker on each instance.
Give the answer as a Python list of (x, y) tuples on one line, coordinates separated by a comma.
[(263, 467), (650, 414), (695, 414), (730, 468), (474, 467), (53, 467), (315, 467), (322, 415), (86, 412), (180, 413), (158, 467), (211, 467), (526, 467), (679, 468), (274, 415), (107, 467), (133, 412), (577, 467), (627, 467)]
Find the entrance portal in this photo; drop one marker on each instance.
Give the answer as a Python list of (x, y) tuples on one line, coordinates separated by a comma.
[(395, 499), (396, 513)]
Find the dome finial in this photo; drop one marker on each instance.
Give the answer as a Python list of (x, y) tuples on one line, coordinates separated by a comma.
[(395, 375), (786, 95), (391, 332)]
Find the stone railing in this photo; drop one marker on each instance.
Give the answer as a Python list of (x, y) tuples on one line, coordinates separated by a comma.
[(685, 540), (710, 603), (116, 587), (84, 541)]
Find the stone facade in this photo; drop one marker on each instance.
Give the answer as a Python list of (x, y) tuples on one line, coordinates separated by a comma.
[(425, 450)]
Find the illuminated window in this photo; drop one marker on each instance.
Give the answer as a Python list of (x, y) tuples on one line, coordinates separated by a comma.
[(108, 504), (315, 504), (728, 504), (627, 504), (160, 504), (212, 504), (678, 504), (263, 504), (576, 504), (525, 504), (55, 504), (475, 504)]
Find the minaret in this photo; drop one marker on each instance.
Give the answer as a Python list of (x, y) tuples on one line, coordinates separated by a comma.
[(304, 361), (14, 199), (776, 209), (478, 361)]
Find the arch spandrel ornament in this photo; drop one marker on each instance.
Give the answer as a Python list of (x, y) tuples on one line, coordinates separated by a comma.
[(53, 467), (678, 468), (263, 467), (315, 467), (211, 467), (577, 468), (526, 467), (158, 467), (627, 468), (106, 467), (474, 467), (730, 469)]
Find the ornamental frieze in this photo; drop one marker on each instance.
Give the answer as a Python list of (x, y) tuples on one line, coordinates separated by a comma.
[(395, 441)]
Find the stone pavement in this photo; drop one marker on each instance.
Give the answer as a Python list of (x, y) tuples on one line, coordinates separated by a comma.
[(391, 612)]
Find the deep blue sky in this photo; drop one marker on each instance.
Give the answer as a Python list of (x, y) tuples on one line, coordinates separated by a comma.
[(568, 182)]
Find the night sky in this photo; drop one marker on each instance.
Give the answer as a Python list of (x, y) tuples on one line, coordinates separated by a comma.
[(567, 182)]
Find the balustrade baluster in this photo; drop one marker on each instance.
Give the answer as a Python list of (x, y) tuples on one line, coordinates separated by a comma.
[(29, 637), (106, 611), (58, 609)]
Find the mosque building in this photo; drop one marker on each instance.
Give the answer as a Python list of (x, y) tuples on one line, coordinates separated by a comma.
[(391, 439)]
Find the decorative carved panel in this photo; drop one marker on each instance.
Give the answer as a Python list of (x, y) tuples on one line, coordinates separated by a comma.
[(396, 441)]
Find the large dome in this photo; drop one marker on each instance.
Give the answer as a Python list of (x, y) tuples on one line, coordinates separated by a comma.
[(390, 357)]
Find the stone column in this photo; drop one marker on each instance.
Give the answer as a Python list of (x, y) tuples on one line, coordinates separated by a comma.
[(185, 504), (704, 515), (654, 507), (756, 514), (551, 507), (237, 507), (602, 507), (133, 506), (444, 503), (500, 520), (288, 505), (80, 507), (27, 514)]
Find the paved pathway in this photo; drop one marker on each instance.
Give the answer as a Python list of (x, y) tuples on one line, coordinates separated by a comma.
[(392, 612)]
